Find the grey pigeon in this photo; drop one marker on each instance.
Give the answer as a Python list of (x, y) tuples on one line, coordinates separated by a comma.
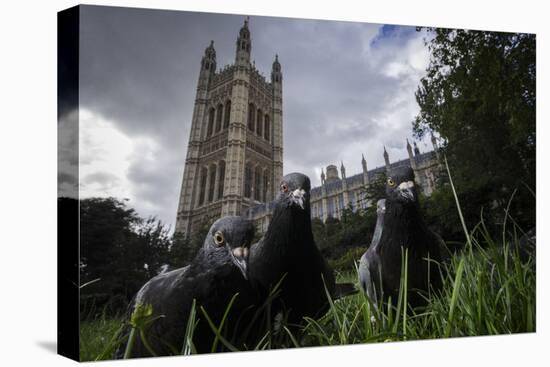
[(288, 249), (400, 227), (371, 260), (216, 274)]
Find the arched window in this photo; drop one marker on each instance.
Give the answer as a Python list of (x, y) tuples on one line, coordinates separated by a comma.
[(210, 129), (251, 115), (247, 181), (331, 210), (266, 186), (266, 127), (259, 119), (226, 114), (221, 175), (257, 181), (219, 114), (204, 175), (212, 183)]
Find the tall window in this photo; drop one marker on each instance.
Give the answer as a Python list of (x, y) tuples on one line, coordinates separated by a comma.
[(221, 175), (251, 115), (247, 181), (204, 174), (210, 122), (266, 185), (219, 114), (331, 206), (212, 183), (266, 127), (257, 186), (226, 114), (259, 119)]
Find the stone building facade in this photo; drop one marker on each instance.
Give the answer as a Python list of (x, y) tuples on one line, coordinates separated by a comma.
[(337, 193), (235, 150)]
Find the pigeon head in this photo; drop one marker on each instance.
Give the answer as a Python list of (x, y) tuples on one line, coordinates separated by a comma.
[(294, 190), (231, 236), (400, 185)]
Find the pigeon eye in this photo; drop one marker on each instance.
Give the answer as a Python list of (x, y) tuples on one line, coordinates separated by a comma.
[(284, 187), (391, 183), (218, 238)]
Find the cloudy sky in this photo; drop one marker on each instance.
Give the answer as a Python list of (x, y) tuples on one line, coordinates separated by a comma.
[(348, 89)]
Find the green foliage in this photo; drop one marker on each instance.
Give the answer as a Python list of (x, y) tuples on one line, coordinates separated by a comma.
[(336, 237), (184, 249), (120, 251), (348, 261), (376, 189), (479, 96)]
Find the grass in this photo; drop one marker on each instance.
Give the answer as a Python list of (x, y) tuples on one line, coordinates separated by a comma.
[(486, 291)]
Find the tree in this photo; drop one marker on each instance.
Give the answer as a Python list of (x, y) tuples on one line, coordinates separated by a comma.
[(119, 252), (478, 95), (376, 189)]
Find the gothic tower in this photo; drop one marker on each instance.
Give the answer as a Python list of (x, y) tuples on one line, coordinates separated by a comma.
[(235, 150)]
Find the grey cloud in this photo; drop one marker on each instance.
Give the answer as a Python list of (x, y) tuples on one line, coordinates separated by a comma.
[(139, 70), (102, 178)]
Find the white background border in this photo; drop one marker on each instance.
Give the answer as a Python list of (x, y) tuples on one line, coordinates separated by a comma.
[(28, 183)]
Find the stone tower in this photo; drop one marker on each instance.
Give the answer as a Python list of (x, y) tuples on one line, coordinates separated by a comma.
[(235, 149)]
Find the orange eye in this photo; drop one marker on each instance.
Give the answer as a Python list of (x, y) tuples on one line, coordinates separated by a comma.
[(391, 182), (284, 187)]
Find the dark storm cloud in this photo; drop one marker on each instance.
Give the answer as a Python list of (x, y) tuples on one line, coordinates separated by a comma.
[(139, 70)]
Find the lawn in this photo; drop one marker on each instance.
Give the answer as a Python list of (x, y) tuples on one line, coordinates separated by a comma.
[(487, 290)]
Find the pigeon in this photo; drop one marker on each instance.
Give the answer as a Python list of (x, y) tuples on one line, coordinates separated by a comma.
[(287, 253), (216, 274), (401, 229), (371, 260)]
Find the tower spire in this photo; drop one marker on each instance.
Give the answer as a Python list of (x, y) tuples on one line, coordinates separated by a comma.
[(386, 159), (276, 74), (411, 156), (244, 45), (365, 171), (416, 150)]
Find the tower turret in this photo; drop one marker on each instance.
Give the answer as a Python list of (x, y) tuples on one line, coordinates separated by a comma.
[(365, 171), (277, 110), (208, 65), (416, 150), (386, 159), (342, 170), (345, 194), (244, 46), (411, 156), (276, 74)]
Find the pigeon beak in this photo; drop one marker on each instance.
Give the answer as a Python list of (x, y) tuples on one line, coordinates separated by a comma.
[(406, 190), (297, 197), (240, 258)]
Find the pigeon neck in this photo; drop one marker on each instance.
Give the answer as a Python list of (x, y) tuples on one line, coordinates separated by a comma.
[(403, 224), (291, 230)]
